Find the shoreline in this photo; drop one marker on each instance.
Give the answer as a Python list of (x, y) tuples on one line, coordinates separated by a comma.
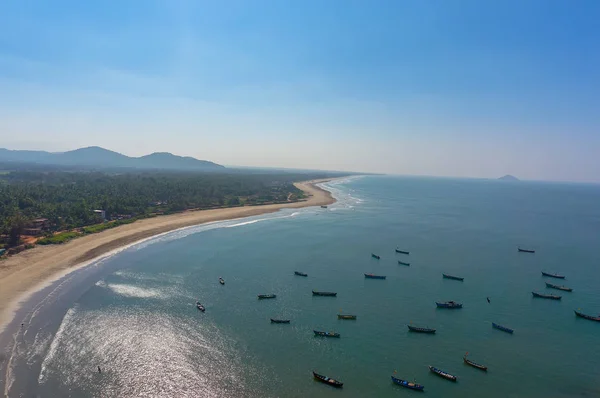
[(28, 272)]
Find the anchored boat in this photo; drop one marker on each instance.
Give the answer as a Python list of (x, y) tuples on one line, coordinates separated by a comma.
[(408, 384), (200, 306), (456, 278), (474, 364), (420, 330), (326, 334), (280, 320), (443, 374), (266, 296), (584, 316), (448, 304), (403, 263), (328, 380), (300, 273), (546, 296), (373, 276), (327, 294), (347, 317), (221, 281), (402, 252), (375, 256), (563, 288), (525, 250), (557, 276), (503, 328)]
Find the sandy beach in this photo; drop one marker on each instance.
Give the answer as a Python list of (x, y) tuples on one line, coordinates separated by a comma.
[(29, 271)]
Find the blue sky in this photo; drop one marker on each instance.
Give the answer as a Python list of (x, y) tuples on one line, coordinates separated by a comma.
[(451, 88)]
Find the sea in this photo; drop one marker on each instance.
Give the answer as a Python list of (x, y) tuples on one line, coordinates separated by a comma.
[(132, 315)]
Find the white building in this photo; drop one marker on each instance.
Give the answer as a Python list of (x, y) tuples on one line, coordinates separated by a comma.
[(101, 213)]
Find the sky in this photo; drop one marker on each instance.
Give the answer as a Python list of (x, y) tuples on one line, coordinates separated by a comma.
[(464, 88)]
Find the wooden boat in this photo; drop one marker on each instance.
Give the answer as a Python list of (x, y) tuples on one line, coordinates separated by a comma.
[(584, 316), (300, 273), (403, 263), (266, 296), (280, 320), (503, 328), (474, 364), (200, 306), (546, 296), (563, 288), (456, 278), (525, 250), (441, 373), (221, 281), (408, 384), (327, 294), (420, 330), (375, 256), (347, 317), (326, 334), (323, 207), (448, 304), (373, 276), (328, 380), (557, 276), (402, 252)]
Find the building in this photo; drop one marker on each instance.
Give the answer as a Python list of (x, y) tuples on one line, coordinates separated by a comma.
[(101, 214), (36, 227)]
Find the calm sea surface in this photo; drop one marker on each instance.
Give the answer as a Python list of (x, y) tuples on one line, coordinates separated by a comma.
[(137, 320)]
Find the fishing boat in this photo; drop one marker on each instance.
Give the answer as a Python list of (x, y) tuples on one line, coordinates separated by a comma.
[(375, 256), (456, 278), (300, 273), (525, 250), (221, 281), (280, 320), (402, 252), (328, 380), (323, 207), (441, 373), (327, 294), (557, 276), (546, 296), (408, 384), (403, 263), (563, 288), (266, 296), (420, 330), (326, 334), (347, 317), (584, 316), (448, 304), (200, 306), (503, 328), (373, 276), (474, 364)]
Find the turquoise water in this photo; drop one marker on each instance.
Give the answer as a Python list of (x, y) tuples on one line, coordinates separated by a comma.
[(139, 323)]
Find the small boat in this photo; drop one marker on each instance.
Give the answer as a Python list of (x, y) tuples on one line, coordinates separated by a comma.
[(375, 256), (420, 330), (448, 304), (327, 294), (525, 250), (280, 320), (402, 252), (546, 296), (474, 364), (347, 316), (326, 334), (408, 384), (266, 296), (563, 288), (443, 374), (300, 273), (456, 278), (373, 276), (221, 281), (323, 207), (503, 328), (553, 275), (200, 306), (403, 263), (327, 380), (584, 316)]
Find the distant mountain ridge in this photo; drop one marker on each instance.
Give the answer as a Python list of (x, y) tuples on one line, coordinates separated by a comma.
[(100, 157), (508, 177)]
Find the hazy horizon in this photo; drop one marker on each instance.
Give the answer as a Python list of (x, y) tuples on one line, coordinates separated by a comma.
[(461, 89)]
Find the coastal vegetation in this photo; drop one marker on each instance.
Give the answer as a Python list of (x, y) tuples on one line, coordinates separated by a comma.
[(63, 204)]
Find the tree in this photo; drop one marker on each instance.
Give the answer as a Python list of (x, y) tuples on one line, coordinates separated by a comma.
[(14, 228)]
